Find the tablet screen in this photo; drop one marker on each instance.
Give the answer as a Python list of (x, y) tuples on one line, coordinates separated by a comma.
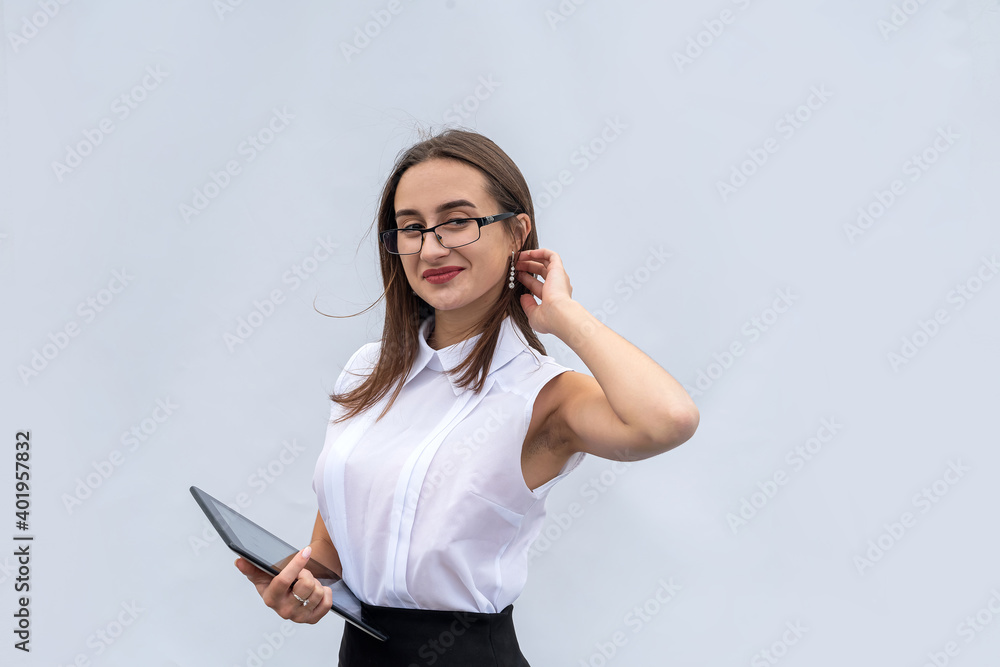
[(255, 543), (263, 549), (263, 544)]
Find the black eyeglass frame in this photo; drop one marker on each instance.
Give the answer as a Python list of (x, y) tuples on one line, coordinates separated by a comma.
[(480, 222)]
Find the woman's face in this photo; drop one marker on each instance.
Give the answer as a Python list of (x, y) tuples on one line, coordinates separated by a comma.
[(439, 190)]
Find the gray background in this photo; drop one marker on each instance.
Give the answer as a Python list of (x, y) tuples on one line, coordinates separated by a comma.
[(543, 85)]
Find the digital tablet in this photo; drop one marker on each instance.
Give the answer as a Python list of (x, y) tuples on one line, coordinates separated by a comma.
[(271, 554)]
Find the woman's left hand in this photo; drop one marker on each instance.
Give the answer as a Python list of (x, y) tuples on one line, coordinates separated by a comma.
[(554, 292)]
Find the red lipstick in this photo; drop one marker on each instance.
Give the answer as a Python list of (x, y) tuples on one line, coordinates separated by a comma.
[(441, 275)]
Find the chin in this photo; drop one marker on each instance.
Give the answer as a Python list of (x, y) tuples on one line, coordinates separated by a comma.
[(450, 301), (444, 304)]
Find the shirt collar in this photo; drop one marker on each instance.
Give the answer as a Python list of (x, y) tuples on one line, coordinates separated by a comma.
[(509, 345)]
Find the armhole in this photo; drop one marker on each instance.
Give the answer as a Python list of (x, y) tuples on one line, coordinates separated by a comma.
[(574, 460), (550, 370)]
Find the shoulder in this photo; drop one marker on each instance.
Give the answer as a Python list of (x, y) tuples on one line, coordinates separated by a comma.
[(365, 357), (525, 373), (561, 389), (360, 364), (552, 385), (367, 354), (521, 368)]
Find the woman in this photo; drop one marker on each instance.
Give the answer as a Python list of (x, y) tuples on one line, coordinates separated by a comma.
[(430, 499)]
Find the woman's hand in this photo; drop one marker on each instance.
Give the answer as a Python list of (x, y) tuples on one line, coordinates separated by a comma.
[(554, 292), (279, 591)]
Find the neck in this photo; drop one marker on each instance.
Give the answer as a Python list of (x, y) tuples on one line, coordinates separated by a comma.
[(454, 326), (447, 330)]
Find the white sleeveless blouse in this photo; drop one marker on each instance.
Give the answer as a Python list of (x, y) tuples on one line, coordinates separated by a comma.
[(428, 508)]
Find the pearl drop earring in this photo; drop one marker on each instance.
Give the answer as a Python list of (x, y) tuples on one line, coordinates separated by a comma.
[(511, 284)]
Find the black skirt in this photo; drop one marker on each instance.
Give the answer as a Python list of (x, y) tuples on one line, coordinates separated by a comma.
[(421, 638)]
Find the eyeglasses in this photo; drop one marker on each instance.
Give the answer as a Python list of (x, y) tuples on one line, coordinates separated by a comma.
[(451, 234)]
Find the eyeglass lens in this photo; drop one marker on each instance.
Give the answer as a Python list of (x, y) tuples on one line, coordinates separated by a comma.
[(452, 235)]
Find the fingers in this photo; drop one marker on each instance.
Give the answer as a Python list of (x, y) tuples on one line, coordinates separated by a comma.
[(538, 261), (312, 601), (258, 577), (307, 601), (526, 267), (324, 604), (316, 601), (532, 284), (532, 270), (538, 255), (279, 591), (282, 583)]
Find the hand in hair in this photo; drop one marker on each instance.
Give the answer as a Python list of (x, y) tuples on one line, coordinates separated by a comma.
[(553, 289)]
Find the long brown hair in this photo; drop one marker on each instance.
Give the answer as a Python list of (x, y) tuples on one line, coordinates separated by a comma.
[(405, 311)]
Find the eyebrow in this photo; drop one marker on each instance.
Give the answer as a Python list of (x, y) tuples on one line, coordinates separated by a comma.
[(447, 206)]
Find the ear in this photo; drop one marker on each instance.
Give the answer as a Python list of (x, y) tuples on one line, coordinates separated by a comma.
[(525, 227)]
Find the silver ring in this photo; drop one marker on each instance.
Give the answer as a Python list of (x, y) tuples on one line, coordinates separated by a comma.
[(304, 602)]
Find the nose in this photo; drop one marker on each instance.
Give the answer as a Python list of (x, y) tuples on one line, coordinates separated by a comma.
[(432, 247)]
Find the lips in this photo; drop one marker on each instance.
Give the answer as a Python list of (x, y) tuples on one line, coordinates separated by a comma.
[(436, 272)]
